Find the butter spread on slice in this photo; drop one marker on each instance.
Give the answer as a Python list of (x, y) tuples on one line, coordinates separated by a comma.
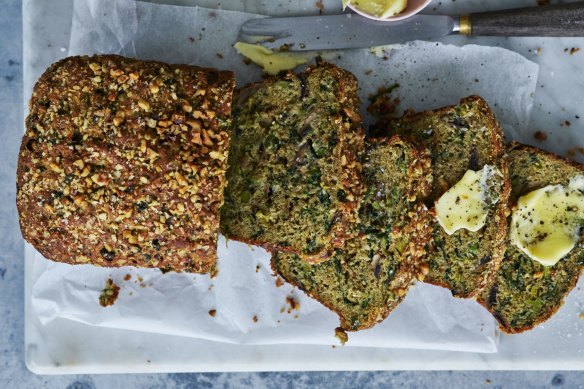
[(273, 62), (546, 223), (466, 204)]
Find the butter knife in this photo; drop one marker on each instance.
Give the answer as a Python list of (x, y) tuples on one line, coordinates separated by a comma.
[(351, 31)]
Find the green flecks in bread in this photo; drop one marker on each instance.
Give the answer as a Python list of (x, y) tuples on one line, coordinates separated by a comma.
[(460, 138), (294, 177), (366, 279), (525, 293)]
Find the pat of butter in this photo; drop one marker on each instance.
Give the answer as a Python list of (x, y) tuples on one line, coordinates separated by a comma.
[(545, 225), (466, 204), (273, 62)]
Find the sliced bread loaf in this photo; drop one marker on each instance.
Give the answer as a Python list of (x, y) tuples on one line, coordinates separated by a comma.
[(524, 292), (460, 138), (294, 175), (363, 281)]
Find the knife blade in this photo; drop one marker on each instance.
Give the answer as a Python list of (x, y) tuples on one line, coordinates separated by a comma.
[(352, 31), (345, 31)]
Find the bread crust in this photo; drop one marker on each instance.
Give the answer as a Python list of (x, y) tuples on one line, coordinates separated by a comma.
[(123, 163)]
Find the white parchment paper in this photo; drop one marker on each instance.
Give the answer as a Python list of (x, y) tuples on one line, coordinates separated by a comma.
[(250, 308)]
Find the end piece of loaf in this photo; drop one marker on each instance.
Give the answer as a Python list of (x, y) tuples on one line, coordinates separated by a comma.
[(365, 280), (123, 163), (524, 293), (294, 174), (463, 137)]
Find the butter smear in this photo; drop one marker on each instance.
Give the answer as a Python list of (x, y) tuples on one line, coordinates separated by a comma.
[(273, 62), (546, 223), (466, 204)]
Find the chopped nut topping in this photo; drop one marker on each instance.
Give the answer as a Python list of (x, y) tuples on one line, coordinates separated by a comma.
[(111, 171)]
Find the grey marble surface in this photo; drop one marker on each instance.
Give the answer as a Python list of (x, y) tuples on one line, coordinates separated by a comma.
[(13, 373)]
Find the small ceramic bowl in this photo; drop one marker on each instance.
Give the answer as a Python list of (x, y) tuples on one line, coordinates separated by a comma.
[(414, 6)]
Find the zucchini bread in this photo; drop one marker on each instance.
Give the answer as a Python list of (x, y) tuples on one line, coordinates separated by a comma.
[(460, 138), (294, 169), (123, 163), (363, 281), (524, 292)]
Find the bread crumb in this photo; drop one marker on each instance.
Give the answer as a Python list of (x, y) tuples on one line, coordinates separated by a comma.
[(255, 318), (581, 316), (127, 277), (258, 267), (320, 6), (341, 335), (214, 272), (212, 312), (109, 294), (572, 50), (540, 136), (294, 305), (488, 381), (279, 282)]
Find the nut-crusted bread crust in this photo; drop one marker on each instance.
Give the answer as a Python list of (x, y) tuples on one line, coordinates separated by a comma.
[(523, 292), (460, 138), (367, 278), (294, 171), (123, 163)]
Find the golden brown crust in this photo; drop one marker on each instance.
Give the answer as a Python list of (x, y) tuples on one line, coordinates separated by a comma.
[(123, 163)]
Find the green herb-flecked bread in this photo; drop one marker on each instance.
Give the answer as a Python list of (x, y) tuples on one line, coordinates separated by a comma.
[(366, 279), (525, 293), (294, 181), (460, 138)]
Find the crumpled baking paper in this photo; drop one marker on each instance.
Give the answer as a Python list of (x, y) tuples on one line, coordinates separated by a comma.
[(243, 304)]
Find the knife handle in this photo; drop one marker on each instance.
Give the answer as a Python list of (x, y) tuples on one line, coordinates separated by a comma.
[(553, 20)]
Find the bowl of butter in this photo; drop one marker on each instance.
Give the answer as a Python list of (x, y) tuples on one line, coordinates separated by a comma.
[(386, 10)]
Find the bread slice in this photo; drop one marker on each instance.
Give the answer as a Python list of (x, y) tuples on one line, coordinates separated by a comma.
[(462, 137), (363, 281), (523, 292), (294, 174), (123, 163)]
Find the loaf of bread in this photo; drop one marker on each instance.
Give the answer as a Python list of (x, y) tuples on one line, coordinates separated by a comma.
[(294, 163), (462, 137), (367, 278), (524, 292), (123, 163)]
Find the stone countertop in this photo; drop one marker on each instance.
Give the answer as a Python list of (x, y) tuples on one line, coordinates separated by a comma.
[(13, 372)]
